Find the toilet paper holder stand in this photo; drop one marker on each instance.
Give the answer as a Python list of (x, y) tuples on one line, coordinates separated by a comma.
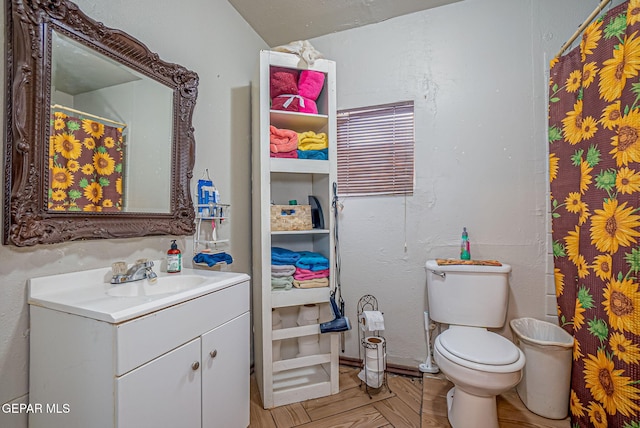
[(373, 374)]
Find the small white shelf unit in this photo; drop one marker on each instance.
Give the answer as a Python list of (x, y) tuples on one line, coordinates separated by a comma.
[(212, 234), (291, 378)]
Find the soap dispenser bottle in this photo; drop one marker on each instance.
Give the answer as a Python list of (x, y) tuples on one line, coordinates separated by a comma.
[(465, 248), (174, 258)]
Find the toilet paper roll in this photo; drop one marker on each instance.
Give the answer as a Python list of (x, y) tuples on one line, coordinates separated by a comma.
[(308, 314), (305, 349), (275, 317), (308, 339), (375, 353), (275, 349), (371, 378), (371, 321)]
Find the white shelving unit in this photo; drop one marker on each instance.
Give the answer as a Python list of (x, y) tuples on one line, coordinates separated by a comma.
[(291, 378)]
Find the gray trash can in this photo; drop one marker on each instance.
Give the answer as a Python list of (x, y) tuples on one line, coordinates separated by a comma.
[(546, 379)]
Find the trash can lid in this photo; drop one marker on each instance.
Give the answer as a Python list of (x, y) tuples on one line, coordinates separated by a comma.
[(479, 346)]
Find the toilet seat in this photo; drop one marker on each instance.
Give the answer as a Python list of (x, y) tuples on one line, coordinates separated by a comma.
[(479, 349)]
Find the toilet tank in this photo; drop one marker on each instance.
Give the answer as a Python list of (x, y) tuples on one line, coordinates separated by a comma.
[(471, 295)]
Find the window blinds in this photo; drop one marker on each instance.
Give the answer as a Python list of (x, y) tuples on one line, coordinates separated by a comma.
[(376, 150)]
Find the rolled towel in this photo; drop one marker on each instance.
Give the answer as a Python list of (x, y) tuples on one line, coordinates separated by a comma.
[(283, 81), (314, 154), (310, 84), (294, 102), (309, 140), (311, 283), (282, 140), (282, 256)]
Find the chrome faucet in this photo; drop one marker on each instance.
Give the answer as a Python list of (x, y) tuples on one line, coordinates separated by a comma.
[(142, 269)]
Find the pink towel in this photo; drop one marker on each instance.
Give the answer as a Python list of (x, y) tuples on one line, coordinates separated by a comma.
[(282, 140), (310, 84), (286, 155), (305, 274), (283, 81)]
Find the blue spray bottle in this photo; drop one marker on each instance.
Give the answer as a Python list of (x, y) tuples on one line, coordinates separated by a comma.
[(465, 248)]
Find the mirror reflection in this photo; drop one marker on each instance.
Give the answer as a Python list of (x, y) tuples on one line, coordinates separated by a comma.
[(110, 134)]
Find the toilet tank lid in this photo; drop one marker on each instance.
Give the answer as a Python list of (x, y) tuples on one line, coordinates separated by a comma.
[(454, 265)]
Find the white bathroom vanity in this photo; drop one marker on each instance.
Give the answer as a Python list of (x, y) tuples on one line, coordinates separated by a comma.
[(134, 356)]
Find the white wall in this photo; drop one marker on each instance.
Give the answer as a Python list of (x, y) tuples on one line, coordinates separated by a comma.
[(209, 37), (476, 71)]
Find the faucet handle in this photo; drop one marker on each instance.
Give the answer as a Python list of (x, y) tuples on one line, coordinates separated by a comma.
[(119, 268)]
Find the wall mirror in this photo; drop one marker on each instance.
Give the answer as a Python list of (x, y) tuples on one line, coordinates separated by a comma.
[(99, 138)]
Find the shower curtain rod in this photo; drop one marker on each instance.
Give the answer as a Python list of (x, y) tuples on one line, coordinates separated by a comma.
[(581, 28), (58, 106)]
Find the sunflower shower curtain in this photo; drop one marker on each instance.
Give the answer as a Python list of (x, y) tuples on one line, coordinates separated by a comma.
[(85, 165), (594, 155)]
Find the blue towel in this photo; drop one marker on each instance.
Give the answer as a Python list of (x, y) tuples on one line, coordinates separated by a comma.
[(213, 259), (282, 256), (322, 154), (312, 261)]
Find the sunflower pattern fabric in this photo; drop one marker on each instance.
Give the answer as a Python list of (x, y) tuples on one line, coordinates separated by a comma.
[(85, 165), (594, 159)]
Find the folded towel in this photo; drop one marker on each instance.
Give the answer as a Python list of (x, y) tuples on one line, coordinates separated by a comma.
[(312, 261), (282, 283), (213, 258), (314, 154), (283, 81), (282, 140), (280, 271), (309, 140), (286, 155), (310, 84), (311, 283), (282, 256), (304, 274)]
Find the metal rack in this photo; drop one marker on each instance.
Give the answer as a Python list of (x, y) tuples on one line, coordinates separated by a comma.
[(376, 375), (209, 239)]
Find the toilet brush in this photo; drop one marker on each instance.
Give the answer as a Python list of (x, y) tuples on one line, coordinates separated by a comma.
[(428, 366)]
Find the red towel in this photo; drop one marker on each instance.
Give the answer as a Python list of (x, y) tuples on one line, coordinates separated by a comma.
[(287, 155), (289, 102), (283, 81)]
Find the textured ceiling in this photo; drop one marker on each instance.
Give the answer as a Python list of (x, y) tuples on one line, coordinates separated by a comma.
[(282, 21)]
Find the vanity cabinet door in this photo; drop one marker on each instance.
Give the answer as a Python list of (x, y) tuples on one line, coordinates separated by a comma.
[(162, 393), (225, 375)]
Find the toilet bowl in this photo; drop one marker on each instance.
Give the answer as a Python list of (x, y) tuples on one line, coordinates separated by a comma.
[(481, 365)]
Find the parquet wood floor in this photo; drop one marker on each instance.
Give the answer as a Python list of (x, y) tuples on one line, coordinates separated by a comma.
[(410, 402)]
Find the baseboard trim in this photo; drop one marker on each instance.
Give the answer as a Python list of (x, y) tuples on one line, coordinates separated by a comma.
[(391, 368)]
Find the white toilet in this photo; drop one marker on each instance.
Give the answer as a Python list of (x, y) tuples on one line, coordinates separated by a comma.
[(480, 364)]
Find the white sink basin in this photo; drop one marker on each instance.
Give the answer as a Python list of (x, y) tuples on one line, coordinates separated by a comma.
[(86, 293), (162, 285)]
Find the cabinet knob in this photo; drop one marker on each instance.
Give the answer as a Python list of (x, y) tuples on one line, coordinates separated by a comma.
[(195, 365), (213, 353)]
